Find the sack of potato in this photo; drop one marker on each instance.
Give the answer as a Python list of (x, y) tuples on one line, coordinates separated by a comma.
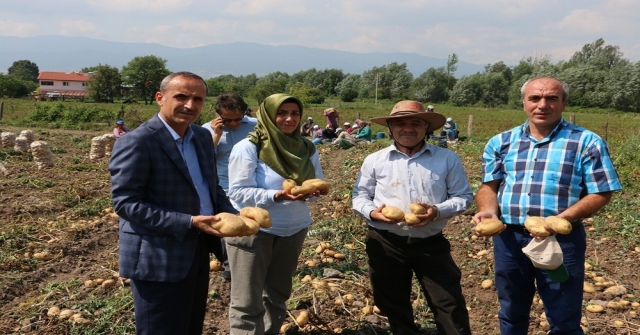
[(247, 222), (308, 186)]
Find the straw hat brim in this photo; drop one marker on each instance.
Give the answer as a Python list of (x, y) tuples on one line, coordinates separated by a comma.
[(435, 120)]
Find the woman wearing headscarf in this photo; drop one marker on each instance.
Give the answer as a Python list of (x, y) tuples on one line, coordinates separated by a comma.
[(262, 265)]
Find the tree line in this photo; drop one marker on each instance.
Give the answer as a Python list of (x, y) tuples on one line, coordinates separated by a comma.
[(598, 76)]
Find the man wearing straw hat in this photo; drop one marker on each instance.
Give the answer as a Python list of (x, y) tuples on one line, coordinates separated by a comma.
[(413, 171)]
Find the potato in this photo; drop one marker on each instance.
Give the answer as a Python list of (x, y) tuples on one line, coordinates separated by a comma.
[(251, 226), (214, 265), (321, 185), (230, 225), (536, 226), (489, 227), (594, 308), (558, 224), (411, 218), (258, 214), (302, 318), (393, 213), (303, 189), (417, 209), (288, 184)]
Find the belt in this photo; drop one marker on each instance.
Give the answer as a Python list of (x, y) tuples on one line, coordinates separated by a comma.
[(404, 239)]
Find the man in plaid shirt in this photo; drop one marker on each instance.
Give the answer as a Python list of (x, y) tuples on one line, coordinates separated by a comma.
[(547, 166)]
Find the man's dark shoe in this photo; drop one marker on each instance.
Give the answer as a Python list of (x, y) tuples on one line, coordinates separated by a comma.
[(226, 275)]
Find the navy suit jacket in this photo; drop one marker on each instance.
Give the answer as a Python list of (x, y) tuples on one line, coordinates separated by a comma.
[(154, 196)]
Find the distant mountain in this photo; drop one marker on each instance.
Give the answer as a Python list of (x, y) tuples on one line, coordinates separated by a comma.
[(61, 53)]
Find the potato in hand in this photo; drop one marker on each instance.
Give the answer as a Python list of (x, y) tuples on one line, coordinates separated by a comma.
[(393, 213), (489, 227)]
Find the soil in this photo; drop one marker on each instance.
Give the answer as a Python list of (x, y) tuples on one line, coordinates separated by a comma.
[(46, 211)]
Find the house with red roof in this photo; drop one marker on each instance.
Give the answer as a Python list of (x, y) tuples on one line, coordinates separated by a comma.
[(62, 84)]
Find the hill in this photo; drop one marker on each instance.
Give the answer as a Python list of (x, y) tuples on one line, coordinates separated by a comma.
[(62, 53)]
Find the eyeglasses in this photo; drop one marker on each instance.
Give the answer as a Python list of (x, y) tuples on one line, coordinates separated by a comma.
[(231, 120)]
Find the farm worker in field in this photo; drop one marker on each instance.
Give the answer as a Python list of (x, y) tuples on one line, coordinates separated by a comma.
[(364, 132), (230, 127), (307, 127), (165, 190), (316, 134), (450, 130), (410, 171), (332, 116), (262, 265), (347, 127), (120, 129), (546, 166)]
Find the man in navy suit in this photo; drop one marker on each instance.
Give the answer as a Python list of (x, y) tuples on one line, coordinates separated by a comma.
[(165, 190)]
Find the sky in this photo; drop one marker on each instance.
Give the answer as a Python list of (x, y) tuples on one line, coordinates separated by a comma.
[(478, 31)]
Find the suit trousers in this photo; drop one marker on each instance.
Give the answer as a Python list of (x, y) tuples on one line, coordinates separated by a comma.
[(392, 262), (174, 308), (262, 267)]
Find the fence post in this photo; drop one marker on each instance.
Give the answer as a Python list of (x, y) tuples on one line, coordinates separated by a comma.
[(470, 126), (1, 109), (606, 130), (572, 118)]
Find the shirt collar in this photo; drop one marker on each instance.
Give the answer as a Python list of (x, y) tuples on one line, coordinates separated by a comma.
[(187, 135), (425, 147), (562, 124)]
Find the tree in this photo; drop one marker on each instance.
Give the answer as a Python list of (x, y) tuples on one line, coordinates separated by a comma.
[(603, 57), (433, 85), (306, 94), (347, 89), (275, 82), (105, 83), (392, 81), (145, 74), (495, 90), (468, 90), (14, 87), (25, 70)]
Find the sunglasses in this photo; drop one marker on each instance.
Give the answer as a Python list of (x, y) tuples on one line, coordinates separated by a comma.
[(231, 120)]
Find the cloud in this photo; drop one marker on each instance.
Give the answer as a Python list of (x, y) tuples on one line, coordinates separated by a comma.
[(18, 29), (142, 6), (78, 28)]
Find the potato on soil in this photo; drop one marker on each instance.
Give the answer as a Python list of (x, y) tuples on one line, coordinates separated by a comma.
[(288, 184), (558, 224), (321, 185), (303, 189), (258, 214), (489, 227), (536, 225), (417, 209), (393, 213), (411, 218)]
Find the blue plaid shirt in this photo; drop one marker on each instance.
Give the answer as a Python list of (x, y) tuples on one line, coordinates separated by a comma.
[(543, 178)]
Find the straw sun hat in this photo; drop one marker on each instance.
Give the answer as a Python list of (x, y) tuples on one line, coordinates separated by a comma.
[(410, 108)]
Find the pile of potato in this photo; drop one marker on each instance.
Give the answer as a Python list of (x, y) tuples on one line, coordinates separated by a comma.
[(308, 186), (247, 222), (395, 213)]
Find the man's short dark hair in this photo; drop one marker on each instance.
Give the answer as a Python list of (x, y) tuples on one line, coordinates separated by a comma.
[(231, 102)]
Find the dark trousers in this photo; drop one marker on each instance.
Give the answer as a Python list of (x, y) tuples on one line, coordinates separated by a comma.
[(392, 262), (517, 280), (174, 308)]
